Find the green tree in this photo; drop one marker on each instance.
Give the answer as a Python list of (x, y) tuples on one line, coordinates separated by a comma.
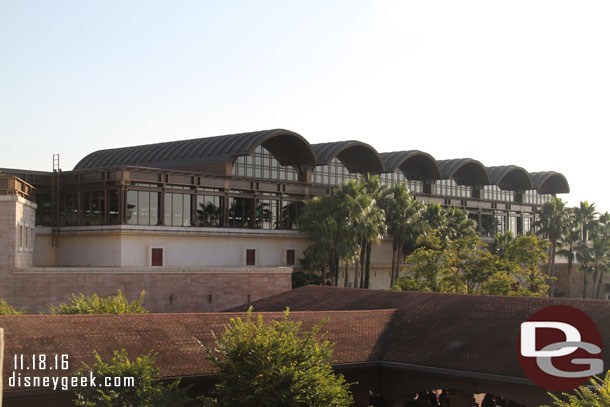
[(551, 223), (315, 258), (6, 309), (569, 241), (94, 304), (501, 243), (459, 224), (376, 191), (456, 266), (518, 268), (596, 394), (466, 266), (275, 365), (594, 254), (585, 216), (329, 223), (365, 218), (146, 391), (405, 222)]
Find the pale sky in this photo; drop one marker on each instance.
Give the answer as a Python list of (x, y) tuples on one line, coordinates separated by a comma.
[(519, 82)]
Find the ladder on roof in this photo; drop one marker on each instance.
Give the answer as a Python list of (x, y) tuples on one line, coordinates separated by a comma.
[(55, 200)]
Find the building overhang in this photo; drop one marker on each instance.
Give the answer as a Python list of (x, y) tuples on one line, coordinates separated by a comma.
[(356, 156), (464, 171), (414, 164)]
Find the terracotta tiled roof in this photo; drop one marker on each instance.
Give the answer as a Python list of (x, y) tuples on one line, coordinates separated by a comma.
[(461, 332), (171, 336)]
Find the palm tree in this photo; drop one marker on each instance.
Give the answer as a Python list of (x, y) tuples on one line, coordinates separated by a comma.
[(364, 220), (502, 243), (568, 243), (376, 190), (405, 222), (551, 223), (585, 216), (459, 225), (594, 255), (318, 225), (328, 222)]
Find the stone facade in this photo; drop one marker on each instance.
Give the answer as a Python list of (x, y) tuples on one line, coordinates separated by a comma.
[(102, 260), (576, 285), (166, 291), (17, 231)]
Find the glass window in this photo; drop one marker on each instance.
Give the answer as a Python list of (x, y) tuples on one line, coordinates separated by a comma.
[(186, 211), (154, 208), (131, 216), (209, 210), (177, 209), (334, 173), (167, 203), (241, 212), (262, 165), (448, 187), (143, 208)]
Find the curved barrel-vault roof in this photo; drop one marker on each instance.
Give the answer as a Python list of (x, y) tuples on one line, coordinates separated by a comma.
[(287, 147), (510, 177), (550, 182), (414, 164), (356, 156), (464, 171)]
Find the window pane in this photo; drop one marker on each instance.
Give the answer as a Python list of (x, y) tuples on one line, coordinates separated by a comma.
[(132, 205), (154, 208), (143, 208), (177, 209), (167, 217), (187, 210)]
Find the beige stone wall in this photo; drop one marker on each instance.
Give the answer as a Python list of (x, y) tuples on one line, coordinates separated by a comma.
[(576, 286), (17, 232), (8, 232), (129, 246), (170, 290)]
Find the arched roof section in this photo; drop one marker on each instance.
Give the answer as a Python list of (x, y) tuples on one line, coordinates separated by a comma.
[(510, 177), (550, 182), (464, 171), (357, 157), (287, 147), (414, 164)]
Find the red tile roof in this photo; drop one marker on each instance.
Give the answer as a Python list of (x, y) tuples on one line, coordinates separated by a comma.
[(171, 336), (463, 333), (460, 332)]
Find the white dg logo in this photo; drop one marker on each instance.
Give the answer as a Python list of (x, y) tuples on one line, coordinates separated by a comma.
[(572, 342)]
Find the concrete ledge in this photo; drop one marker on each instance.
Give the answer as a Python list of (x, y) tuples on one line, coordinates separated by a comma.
[(21, 200), (166, 230), (159, 270)]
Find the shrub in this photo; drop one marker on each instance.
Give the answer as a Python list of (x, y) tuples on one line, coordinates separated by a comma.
[(6, 309), (273, 365), (147, 389), (100, 305), (596, 394)]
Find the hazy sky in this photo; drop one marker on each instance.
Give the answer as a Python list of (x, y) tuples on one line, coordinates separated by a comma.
[(519, 82)]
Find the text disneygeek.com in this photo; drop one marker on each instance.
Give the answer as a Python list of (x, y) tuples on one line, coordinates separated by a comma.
[(57, 362)]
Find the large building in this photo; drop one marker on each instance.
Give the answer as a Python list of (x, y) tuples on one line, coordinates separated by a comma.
[(209, 223)]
